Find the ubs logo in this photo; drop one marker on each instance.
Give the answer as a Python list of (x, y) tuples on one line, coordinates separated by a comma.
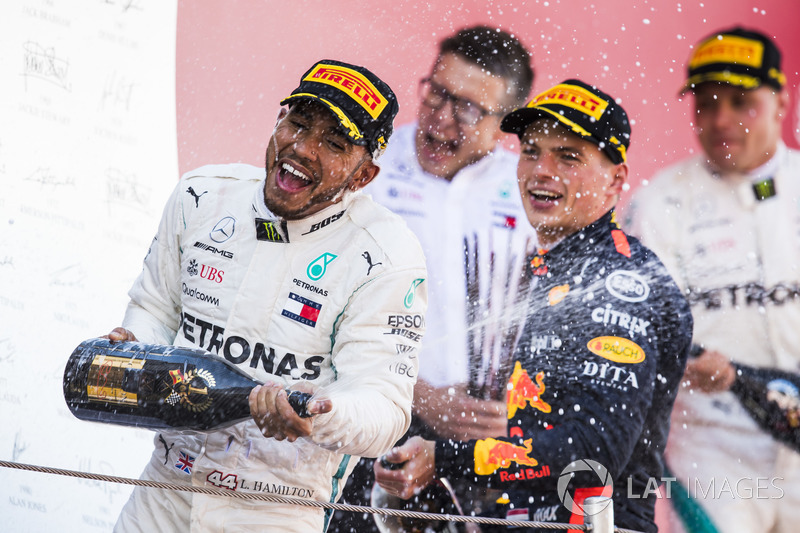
[(223, 230)]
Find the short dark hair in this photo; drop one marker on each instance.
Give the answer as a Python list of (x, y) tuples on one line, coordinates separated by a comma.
[(496, 51)]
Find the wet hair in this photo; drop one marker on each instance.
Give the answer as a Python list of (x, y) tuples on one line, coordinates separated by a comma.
[(497, 52)]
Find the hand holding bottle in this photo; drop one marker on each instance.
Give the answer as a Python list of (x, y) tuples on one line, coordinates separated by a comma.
[(709, 371), (275, 417), (120, 334), (771, 396)]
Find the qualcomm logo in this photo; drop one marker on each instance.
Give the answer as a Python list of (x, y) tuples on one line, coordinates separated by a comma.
[(223, 230), (583, 465)]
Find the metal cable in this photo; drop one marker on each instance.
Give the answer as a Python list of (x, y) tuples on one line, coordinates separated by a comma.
[(296, 501)]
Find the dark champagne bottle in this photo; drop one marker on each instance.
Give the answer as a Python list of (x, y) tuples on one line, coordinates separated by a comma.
[(156, 386), (772, 397)]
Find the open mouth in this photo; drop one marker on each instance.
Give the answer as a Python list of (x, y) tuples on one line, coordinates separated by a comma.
[(292, 179), (436, 149), (545, 197)]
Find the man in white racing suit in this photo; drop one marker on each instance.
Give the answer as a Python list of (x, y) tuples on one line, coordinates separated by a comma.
[(301, 281), (726, 224)]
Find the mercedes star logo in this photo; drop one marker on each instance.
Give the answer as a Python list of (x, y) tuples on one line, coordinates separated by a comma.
[(223, 230)]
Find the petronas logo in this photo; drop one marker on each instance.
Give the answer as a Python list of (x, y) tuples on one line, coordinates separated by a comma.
[(317, 268), (408, 301)]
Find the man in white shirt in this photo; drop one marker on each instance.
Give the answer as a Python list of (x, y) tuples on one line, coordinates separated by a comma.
[(727, 225)]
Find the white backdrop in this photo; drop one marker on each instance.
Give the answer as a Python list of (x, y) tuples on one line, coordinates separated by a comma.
[(88, 156)]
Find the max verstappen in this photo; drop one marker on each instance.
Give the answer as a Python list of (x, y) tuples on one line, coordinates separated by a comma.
[(300, 281), (603, 349)]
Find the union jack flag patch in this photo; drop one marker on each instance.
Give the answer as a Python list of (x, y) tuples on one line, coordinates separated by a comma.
[(185, 463)]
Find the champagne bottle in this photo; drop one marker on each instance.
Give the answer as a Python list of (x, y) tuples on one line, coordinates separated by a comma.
[(772, 397), (156, 386)]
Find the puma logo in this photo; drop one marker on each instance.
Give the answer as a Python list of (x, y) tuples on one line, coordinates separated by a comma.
[(196, 196), (366, 256), (166, 448)]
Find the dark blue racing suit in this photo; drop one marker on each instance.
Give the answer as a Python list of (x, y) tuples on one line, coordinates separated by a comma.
[(595, 375)]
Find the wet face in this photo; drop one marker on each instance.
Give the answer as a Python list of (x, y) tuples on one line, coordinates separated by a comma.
[(566, 183), (444, 143), (738, 129), (310, 163)]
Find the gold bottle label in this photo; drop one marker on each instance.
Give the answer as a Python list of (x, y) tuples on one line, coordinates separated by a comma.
[(104, 383)]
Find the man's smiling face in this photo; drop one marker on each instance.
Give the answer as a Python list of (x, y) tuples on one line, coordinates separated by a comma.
[(310, 162), (566, 182)]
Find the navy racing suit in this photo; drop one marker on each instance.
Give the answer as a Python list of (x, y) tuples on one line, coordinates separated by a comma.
[(595, 376)]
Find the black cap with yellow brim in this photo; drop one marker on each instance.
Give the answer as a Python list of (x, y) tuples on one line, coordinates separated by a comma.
[(585, 110), (364, 105), (740, 57)]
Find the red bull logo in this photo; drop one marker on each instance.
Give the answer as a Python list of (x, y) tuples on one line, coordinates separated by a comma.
[(522, 390), (493, 454)]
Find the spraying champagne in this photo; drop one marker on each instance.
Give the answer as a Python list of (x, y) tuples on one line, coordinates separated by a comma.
[(157, 386), (771, 397)]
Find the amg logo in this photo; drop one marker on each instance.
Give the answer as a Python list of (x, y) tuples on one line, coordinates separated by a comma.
[(213, 250)]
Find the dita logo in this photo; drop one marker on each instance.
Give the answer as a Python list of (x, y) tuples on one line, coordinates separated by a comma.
[(223, 230), (190, 190), (368, 257)]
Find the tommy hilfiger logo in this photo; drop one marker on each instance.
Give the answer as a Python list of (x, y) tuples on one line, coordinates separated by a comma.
[(301, 309)]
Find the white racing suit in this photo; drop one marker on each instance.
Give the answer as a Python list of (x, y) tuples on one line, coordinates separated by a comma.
[(737, 260), (337, 299)]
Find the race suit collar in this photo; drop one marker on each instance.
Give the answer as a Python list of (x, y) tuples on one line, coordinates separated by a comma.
[(272, 228), (595, 235)]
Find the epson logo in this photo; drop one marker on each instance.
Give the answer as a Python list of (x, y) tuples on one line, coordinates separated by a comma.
[(213, 250)]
